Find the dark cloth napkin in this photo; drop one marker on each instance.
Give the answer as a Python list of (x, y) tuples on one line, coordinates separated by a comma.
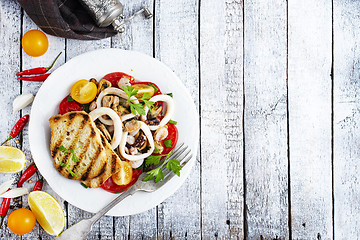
[(65, 18)]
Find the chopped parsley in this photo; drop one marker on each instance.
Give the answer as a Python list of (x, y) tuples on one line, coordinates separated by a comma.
[(72, 156), (153, 86), (157, 173), (170, 94), (137, 108), (82, 184), (168, 143), (173, 122)]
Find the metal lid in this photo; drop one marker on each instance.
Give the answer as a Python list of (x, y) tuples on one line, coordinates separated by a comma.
[(109, 13)]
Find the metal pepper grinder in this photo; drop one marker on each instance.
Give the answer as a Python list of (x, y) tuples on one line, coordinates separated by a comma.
[(110, 12)]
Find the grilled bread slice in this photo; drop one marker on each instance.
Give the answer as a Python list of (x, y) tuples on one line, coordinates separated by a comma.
[(80, 151)]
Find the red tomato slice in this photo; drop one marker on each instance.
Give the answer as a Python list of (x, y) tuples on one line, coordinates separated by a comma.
[(116, 76), (69, 106), (173, 136), (158, 92), (110, 186)]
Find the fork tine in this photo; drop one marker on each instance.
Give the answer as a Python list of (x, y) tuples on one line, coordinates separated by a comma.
[(179, 152), (169, 174), (183, 161), (176, 149)]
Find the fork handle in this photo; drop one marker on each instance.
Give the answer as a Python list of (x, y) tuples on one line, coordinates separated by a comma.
[(112, 204)]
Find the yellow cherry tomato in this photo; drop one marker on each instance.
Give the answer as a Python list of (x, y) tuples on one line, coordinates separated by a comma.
[(35, 43), (142, 89), (123, 176), (21, 221), (83, 91)]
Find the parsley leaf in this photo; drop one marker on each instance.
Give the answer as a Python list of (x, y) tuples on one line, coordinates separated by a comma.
[(174, 165), (72, 156), (173, 122), (63, 149), (136, 108), (153, 159), (157, 173), (69, 99), (170, 94), (130, 91), (63, 164), (168, 143), (71, 172)]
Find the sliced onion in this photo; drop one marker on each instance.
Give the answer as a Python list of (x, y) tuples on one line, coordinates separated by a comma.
[(170, 107), (13, 193), (5, 186), (115, 141), (114, 91), (145, 128)]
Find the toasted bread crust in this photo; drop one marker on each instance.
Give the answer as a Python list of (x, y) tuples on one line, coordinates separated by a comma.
[(77, 132)]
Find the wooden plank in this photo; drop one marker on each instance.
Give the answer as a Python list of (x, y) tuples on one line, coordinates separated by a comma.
[(266, 163), (10, 29), (176, 38), (138, 37), (104, 227), (309, 84), (221, 71), (56, 45), (346, 119)]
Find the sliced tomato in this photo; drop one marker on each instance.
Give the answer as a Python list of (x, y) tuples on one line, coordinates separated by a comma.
[(110, 186), (173, 136), (68, 105), (83, 91), (124, 176), (156, 88), (114, 78)]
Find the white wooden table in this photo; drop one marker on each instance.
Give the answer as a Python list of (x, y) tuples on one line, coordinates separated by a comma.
[(277, 86)]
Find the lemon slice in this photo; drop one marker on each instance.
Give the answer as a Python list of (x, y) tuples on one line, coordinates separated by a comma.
[(47, 211), (12, 160)]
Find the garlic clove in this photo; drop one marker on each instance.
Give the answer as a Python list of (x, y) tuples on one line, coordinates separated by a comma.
[(13, 193), (22, 101), (5, 186)]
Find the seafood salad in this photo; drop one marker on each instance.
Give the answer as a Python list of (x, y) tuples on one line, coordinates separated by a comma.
[(135, 119)]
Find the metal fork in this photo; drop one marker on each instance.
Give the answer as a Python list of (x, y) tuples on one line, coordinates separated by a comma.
[(81, 229)]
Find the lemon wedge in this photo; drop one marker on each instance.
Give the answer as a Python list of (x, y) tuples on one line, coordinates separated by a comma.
[(12, 160), (47, 211)]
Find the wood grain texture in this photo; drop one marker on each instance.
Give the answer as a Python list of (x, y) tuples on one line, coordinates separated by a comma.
[(346, 119), (10, 32), (56, 45), (309, 84), (138, 37), (266, 163), (221, 65), (176, 217)]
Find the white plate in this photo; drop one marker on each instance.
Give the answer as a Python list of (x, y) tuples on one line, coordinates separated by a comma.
[(96, 64)]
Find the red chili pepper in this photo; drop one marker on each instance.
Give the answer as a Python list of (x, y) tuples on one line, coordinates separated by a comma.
[(38, 78), (19, 125), (38, 70), (31, 170), (39, 184), (4, 207)]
